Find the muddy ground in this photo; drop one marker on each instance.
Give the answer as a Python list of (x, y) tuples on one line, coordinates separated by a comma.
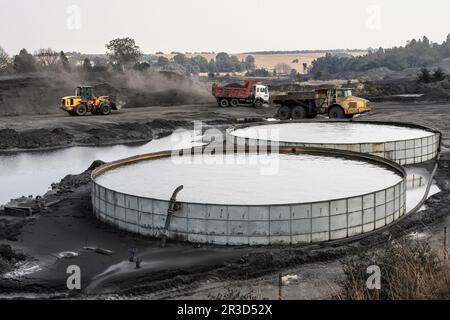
[(125, 126), (185, 270)]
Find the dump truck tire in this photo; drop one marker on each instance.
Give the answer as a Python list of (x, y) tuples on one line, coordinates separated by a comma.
[(80, 110), (284, 113), (224, 103), (258, 104), (234, 102), (336, 113), (299, 113), (105, 110)]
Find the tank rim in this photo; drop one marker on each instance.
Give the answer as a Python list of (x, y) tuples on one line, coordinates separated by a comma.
[(374, 122), (350, 155)]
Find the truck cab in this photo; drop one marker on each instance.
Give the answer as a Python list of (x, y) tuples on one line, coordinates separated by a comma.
[(260, 93), (344, 99)]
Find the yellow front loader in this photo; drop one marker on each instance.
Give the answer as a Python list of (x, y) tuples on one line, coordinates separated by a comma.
[(85, 101)]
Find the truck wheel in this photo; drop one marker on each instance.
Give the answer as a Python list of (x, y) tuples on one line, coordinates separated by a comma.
[(105, 110), (224, 103), (80, 110), (284, 113), (234, 102), (336, 113), (258, 104), (299, 113)]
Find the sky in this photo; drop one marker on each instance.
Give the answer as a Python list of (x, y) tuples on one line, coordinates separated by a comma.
[(219, 25)]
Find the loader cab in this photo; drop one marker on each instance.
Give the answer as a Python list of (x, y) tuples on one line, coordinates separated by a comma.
[(87, 93)]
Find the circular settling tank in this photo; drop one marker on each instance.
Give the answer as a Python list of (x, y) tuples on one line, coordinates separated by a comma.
[(287, 197), (402, 143)]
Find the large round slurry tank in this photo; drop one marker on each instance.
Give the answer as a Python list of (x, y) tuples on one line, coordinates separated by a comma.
[(293, 196), (400, 142)]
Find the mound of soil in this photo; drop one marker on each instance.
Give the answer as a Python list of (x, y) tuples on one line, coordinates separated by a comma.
[(32, 139), (40, 93)]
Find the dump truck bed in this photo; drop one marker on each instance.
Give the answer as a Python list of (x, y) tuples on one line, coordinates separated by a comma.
[(295, 96)]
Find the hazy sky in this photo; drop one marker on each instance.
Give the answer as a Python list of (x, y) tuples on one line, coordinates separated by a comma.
[(219, 25)]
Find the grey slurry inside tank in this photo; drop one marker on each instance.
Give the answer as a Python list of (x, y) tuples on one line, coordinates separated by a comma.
[(249, 179)]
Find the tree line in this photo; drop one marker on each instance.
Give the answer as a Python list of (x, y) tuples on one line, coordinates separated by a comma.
[(415, 54), (122, 53)]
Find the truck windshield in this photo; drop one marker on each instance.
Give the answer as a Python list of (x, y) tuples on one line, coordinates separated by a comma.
[(344, 93)]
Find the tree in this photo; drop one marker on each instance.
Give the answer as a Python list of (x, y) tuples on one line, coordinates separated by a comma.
[(295, 61), (24, 62), (224, 62), (424, 75), (250, 63), (317, 75), (4, 60), (123, 52), (293, 74), (180, 59), (64, 61), (47, 58), (141, 66), (212, 67), (163, 62), (258, 73), (282, 68), (237, 64), (201, 62), (305, 68), (87, 65), (438, 75)]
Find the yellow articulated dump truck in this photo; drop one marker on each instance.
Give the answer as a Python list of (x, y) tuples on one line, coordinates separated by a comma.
[(338, 103), (85, 101)]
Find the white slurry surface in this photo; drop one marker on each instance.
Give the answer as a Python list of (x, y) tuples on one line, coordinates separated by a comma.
[(334, 133), (249, 179)]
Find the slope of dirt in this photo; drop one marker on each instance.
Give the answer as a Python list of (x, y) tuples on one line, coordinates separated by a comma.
[(40, 93)]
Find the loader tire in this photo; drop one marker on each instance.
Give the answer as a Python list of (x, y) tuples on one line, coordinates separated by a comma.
[(299, 113), (284, 113), (80, 110), (105, 110)]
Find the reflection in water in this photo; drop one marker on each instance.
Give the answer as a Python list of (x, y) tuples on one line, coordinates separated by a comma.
[(416, 185), (32, 173)]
